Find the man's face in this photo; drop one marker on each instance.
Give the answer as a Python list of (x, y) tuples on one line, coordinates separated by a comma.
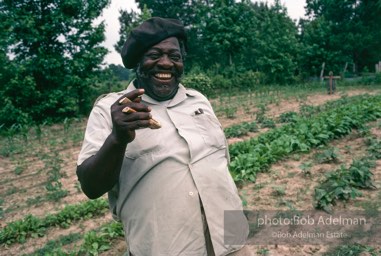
[(161, 68)]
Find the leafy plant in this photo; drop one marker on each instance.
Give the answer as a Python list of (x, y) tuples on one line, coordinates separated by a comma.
[(343, 184), (268, 123), (352, 250), (230, 112), (288, 117), (257, 154), (278, 191), (240, 130), (327, 155), (306, 168), (261, 113), (30, 226)]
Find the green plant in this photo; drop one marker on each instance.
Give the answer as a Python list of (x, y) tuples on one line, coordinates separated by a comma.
[(31, 226), (343, 184), (268, 123), (240, 130), (261, 113), (200, 82), (278, 191), (288, 117), (257, 154), (374, 147), (306, 168), (307, 110), (230, 112), (263, 251), (54, 247), (327, 155), (96, 242), (352, 250)]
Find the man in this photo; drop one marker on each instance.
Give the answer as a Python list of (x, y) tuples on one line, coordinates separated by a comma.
[(169, 186)]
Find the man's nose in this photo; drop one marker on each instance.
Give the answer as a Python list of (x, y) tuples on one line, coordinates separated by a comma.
[(165, 62)]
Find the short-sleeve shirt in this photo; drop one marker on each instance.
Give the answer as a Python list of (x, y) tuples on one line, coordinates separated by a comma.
[(168, 174)]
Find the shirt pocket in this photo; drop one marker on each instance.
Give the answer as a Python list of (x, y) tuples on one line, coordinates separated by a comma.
[(147, 141), (210, 129)]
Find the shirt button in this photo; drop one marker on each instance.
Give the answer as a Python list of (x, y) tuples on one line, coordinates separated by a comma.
[(191, 193)]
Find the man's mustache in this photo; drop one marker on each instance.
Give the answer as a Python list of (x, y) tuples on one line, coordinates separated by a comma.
[(147, 73)]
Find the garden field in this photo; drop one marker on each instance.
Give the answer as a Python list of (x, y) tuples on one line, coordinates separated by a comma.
[(291, 149)]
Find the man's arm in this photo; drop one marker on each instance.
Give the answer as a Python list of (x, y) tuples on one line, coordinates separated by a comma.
[(99, 173)]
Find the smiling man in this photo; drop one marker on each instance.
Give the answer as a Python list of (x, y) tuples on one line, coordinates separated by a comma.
[(159, 152)]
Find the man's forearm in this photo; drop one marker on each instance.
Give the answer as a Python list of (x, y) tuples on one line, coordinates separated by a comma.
[(99, 173)]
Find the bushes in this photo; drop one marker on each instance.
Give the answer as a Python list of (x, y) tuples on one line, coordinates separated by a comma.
[(198, 81), (207, 83)]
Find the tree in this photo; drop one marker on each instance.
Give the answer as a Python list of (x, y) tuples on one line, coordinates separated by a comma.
[(228, 38), (128, 21), (56, 52), (347, 31), (226, 31), (275, 47), (251, 36), (120, 72), (184, 10)]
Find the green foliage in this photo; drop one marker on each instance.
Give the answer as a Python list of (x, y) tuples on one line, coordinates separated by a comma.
[(247, 79), (288, 117), (278, 191), (340, 32), (374, 147), (257, 154), (260, 116), (352, 250), (327, 155), (97, 242), (57, 52), (54, 247), (337, 186), (240, 130), (221, 82), (198, 81), (306, 168), (94, 241), (268, 123), (128, 21), (343, 183), (258, 42), (120, 72), (30, 226)]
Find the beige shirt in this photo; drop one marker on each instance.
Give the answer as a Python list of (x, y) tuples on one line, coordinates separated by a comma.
[(166, 173)]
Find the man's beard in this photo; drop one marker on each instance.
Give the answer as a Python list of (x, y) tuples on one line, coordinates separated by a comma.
[(143, 81)]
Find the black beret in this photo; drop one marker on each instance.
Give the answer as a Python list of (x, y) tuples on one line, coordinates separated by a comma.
[(149, 33)]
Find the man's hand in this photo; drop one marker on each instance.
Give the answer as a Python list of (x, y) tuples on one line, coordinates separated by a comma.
[(126, 122)]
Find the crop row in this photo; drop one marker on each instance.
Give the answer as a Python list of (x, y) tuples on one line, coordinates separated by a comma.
[(94, 242), (31, 226), (257, 154), (344, 183)]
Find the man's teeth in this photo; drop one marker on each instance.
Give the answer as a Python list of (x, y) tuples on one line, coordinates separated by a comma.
[(163, 75)]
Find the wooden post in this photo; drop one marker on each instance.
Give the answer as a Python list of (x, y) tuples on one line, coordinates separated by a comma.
[(331, 78), (345, 67), (322, 71)]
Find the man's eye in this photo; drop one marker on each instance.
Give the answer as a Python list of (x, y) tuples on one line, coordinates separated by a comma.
[(175, 57), (153, 56)]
